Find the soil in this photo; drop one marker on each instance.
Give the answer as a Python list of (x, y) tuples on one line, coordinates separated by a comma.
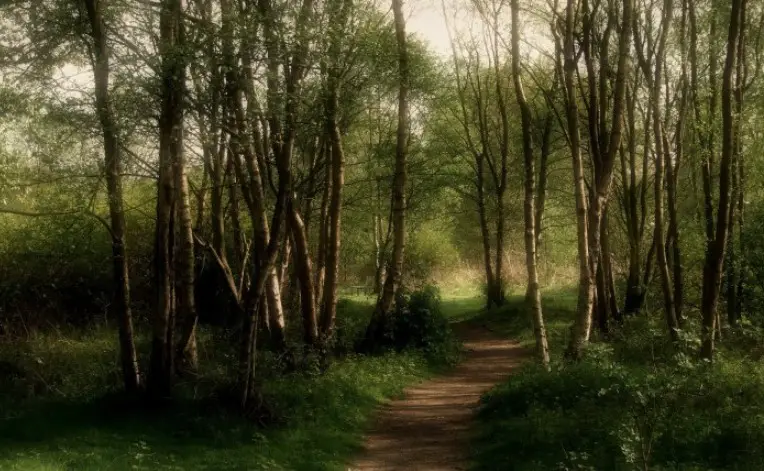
[(429, 428)]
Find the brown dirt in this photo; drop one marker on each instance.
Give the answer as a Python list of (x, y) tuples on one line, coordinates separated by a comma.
[(429, 429)]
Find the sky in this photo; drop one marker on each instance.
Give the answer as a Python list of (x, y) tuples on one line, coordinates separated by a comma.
[(427, 21)]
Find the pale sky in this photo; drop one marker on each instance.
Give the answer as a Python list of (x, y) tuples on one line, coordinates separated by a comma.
[(427, 21)]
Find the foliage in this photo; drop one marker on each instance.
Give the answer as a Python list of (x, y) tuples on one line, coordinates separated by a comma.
[(428, 251), (60, 408), (418, 323), (635, 402)]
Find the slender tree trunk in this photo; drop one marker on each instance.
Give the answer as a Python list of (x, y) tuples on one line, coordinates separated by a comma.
[(113, 164), (583, 322), (394, 274), (607, 266), (712, 269), (323, 231), (304, 272), (329, 310), (735, 262), (654, 78), (498, 274), (186, 312), (276, 321), (543, 175), (170, 148), (660, 247), (485, 234), (503, 163), (378, 255), (534, 292), (636, 209), (286, 261)]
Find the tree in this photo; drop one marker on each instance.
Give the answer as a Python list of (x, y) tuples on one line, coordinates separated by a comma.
[(484, 118), (113, 163), (604, 144), (654, 80), (714, 259), (162, 367), (398, 197), (530, 215)]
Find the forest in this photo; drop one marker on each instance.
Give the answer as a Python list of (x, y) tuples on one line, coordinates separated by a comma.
[(265, 234)]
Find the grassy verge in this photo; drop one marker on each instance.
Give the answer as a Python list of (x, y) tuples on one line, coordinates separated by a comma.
[(321, 420), (60, 408), (635, 401)]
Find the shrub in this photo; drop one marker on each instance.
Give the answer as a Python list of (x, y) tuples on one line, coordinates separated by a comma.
[(426, 251), (419, 323), (605, 414)]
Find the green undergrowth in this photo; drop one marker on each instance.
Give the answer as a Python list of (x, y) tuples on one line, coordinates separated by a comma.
[(319, 424), (60, 406), (512, 320), (635, 402)]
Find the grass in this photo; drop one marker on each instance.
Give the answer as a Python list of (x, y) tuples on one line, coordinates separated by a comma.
[(65, 413), (321, 421), (513, 321), (634, 402)]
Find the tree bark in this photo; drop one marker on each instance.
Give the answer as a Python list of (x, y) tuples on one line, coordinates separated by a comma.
[(394, 273), (712, 269), (113, 164), (304, 272), (604, 162), (186, 307), (583, 322), (654, 77), (534, 291), (170, 148), (337, 168)]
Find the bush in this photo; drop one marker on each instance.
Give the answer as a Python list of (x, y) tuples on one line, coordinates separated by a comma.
[(602, 413), (426, 251), (352, 319), (419, 323)]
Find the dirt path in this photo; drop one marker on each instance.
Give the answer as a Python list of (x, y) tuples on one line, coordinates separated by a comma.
[(428, 430)]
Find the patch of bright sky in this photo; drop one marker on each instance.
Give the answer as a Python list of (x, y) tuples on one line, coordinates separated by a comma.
[(427, 20)]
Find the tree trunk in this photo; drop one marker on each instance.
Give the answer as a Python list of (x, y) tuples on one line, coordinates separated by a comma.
[(323, 231), (654, 78), (636, 208), (485, 234), (534, 292), (170, 150), (660, 245), (393, 277), (543, 174), (583, 322), (275, 319), (735, 263), (712, 269), (113, 164), (186, 312), (610, 143), (329, 310), (304, 272)]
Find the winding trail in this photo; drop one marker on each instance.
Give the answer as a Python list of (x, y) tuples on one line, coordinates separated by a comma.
[(429, 428)]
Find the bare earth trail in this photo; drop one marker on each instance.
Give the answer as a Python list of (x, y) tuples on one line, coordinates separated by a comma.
[(429, 428)]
